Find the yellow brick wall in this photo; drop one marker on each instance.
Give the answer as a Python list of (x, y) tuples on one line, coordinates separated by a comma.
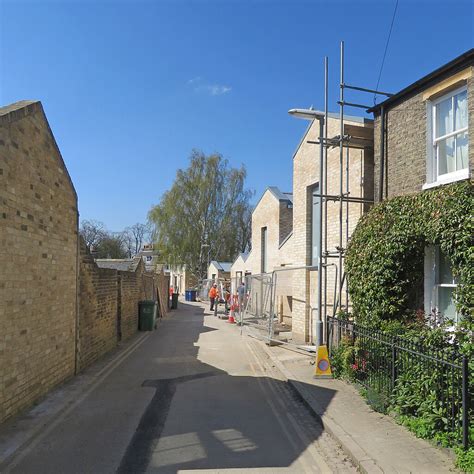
[(47, 301), (38, 249), (306, 175)]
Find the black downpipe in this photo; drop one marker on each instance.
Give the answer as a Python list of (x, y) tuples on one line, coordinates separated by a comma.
[(382, 151)]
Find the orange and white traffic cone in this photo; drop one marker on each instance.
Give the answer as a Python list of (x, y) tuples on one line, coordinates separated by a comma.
[(232, 309)]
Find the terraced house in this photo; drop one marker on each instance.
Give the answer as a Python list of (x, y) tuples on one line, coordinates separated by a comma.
[(424, 143)]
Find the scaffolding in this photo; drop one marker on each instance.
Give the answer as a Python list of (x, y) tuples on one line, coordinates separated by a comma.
[(263, 308), (349, 137)]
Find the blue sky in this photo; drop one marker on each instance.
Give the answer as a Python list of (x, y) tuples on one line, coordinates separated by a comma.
[(131, 87)]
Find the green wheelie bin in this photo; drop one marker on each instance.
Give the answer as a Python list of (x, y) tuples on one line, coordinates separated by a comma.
[(147, 315)]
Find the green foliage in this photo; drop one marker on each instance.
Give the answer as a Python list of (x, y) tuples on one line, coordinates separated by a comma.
[(384, 260), (384, 264), (342, 358), (424, 395), (111, 246), (465, 459), (422, 428), (205, 215)]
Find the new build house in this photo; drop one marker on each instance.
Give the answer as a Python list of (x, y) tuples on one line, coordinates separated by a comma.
[(219, 270), (286, 227), (353, 174), (422, 134), (272, 224)]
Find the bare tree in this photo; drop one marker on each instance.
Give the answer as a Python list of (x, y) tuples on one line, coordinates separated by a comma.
[(128, 242), (139, 234), (93, 232)]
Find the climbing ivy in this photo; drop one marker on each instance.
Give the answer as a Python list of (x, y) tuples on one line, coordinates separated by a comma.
[(384, 260)]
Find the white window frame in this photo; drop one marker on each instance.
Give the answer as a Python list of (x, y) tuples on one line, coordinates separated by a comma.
[(432, 284), (433, 177), (315, 223)]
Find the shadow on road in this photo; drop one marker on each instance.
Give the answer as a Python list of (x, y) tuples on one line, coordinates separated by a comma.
[(200, 417)]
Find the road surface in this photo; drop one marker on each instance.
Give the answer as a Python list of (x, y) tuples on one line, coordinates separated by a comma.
[(194, 395)]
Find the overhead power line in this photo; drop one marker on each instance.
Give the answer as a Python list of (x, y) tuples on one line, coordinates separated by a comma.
[(386, 47)]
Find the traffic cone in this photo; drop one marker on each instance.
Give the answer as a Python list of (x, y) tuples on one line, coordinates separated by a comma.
[(322, 365), (231, 319)]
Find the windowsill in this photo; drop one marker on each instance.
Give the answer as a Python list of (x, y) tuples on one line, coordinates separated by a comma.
[(450, 178)]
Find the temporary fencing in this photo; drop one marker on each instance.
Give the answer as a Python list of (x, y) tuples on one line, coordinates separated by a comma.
[(225, 295), (203, 289), (281, 307), (255, 306)]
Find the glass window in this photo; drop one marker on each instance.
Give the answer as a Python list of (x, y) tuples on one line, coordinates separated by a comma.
[(450, 138), (440, 285), (264, 259), (315, 223)]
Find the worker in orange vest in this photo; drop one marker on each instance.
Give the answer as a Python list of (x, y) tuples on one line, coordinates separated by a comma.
[(213, 295)]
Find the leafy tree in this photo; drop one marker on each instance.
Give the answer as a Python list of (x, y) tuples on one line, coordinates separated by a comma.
[(205, 215), (111, 246)]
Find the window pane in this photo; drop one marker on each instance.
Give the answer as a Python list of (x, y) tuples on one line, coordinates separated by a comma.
[(444, 117), (264, 259), (460, 104), (446, 302), (461, 151), (445, 273), (446, 156), (315, 228)]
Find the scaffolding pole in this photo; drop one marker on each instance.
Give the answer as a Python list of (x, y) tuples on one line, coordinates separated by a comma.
[(344, 196), (324, 178), (341, 158)]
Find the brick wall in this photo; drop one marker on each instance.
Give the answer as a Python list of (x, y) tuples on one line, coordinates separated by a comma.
[(286, 220), (56, 317), (38, 248), (108, 305), (305, 176), (406, 146), (98, 308), (278, 219)]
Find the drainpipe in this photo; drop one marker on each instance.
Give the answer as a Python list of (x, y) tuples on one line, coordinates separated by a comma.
[(382, 151)]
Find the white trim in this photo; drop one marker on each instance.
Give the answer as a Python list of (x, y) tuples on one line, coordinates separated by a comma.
[(433, 179), (448, 178), (450, 134), (449, 94), (431, 281)]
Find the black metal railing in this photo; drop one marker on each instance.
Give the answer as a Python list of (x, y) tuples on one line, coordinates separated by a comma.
[(417, 378)]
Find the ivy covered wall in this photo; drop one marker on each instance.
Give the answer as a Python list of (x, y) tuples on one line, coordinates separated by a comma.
[(384, 260)]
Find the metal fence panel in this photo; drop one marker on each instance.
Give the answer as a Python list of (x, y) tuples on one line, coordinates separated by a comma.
[(281, 306), (391, 366)]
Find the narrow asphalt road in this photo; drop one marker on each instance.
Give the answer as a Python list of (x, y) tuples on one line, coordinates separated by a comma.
[(194, 395)]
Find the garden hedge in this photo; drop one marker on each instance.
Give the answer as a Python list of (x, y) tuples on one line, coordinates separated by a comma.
[(384, 260)]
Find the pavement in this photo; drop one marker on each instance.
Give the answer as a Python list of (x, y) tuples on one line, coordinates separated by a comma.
[(374, 442), (194, 395)]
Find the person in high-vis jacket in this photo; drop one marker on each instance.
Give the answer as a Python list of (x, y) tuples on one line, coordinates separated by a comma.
[(213, 295)]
